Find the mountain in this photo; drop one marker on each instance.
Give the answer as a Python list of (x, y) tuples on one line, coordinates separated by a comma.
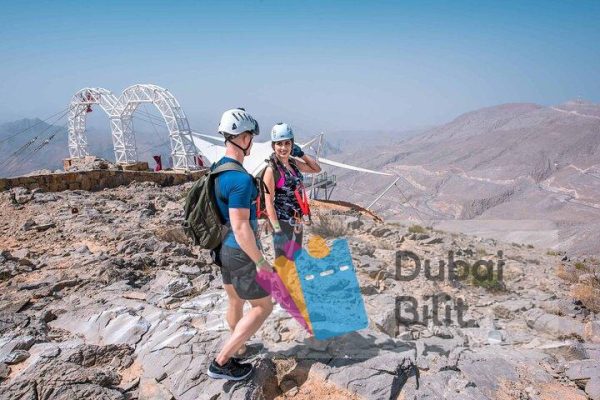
[(344, 142), (23, 148), (517, 168), (19, 158)]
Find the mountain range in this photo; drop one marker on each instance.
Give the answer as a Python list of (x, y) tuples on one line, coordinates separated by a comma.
[(519, 172), (20, 154)]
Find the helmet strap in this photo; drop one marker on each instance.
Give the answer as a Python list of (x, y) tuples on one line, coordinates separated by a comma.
[(244, 150)]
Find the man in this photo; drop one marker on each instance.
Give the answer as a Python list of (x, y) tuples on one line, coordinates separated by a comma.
[(240, 254)]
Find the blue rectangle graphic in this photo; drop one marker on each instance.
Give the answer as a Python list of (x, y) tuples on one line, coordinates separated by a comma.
[(331, 291)]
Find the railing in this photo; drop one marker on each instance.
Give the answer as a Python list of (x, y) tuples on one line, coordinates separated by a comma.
[(322, 179)]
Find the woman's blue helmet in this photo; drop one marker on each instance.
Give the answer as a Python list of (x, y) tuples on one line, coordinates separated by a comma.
[(281, 131)]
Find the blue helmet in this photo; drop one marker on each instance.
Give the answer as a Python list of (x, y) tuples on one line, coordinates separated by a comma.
[(282, 131)]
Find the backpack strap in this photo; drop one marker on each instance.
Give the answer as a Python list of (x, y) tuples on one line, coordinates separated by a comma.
[(278, 173), (294, 166), (228, 166), (263, 190)]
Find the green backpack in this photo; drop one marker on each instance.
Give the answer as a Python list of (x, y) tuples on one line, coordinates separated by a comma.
[(202, 221)]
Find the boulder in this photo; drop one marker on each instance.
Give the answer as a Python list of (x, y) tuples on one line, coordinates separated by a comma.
[(381, 232), (583, 369), (381, 310), (18, 343), (592, 388), (150, 389), (15, 357), (28, 225), (437, 240), (369, 265), (192, 270), (12, 322), (554, 325), (568, 350), (353, 223), (507, 309), (179, 287), (45, 227), (4, 371), (591, 331), (20, 253)]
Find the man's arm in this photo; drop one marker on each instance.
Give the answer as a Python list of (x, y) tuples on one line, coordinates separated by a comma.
[(242, 230), (244, 236)]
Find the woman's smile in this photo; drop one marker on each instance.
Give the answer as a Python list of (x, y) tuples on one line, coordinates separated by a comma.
[(283, 148)]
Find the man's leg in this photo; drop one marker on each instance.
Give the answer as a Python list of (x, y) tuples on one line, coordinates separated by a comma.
[(235, 309), (235, 312), (246, 327)]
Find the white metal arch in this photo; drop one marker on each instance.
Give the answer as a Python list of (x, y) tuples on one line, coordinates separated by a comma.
[(183, 150), (78, 109)]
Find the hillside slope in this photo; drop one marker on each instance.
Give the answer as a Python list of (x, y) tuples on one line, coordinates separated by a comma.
[(513, 162)]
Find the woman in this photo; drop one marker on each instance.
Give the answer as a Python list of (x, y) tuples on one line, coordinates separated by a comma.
[(286, 202)]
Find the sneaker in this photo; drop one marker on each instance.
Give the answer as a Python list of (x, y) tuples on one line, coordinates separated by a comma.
[(233, 370)]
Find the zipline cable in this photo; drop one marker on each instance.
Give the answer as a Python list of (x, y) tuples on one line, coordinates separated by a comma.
[(12, 157), (12, 164), (406, 204), (63, 112), (46, 141)]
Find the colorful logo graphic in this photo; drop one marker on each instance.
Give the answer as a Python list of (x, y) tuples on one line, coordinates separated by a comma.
[(272, 283), (319, 286)]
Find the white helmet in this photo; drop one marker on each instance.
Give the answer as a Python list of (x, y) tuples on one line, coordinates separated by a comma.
[(282, 131), (236, 121)]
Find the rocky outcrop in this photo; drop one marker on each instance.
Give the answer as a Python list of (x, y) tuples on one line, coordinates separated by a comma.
[(112, 303)]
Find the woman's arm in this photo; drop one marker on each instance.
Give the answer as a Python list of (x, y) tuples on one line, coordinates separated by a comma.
[(308, 164), (269, 179)]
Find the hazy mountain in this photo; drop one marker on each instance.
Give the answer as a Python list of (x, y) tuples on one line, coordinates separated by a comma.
[(30, 144), (520, 172), (536, 165), (345, 142), (17, 157)]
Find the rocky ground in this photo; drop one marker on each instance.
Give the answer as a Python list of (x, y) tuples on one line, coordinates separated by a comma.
[(101, 299)]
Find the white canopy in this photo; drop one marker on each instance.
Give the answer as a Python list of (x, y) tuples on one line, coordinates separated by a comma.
[(260, 152)]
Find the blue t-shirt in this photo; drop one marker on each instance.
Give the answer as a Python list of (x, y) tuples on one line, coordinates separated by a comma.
[(234, 189)]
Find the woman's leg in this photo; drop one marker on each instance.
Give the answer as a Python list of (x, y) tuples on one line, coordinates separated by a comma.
[(285, 236), (298, 238)]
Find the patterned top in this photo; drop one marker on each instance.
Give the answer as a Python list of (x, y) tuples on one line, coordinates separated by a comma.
[(285, 201)]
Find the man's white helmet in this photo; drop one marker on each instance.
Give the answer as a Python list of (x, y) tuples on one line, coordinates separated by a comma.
[(236, 121), (282, 131)]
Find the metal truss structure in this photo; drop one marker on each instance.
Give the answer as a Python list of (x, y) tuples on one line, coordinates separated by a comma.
[(183, 150), (80, 105), (120, 111)]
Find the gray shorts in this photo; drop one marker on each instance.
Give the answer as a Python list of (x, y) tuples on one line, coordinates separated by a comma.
[(240, 271)]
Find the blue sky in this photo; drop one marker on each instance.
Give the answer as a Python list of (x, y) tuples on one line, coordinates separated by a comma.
[(321, 65)]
